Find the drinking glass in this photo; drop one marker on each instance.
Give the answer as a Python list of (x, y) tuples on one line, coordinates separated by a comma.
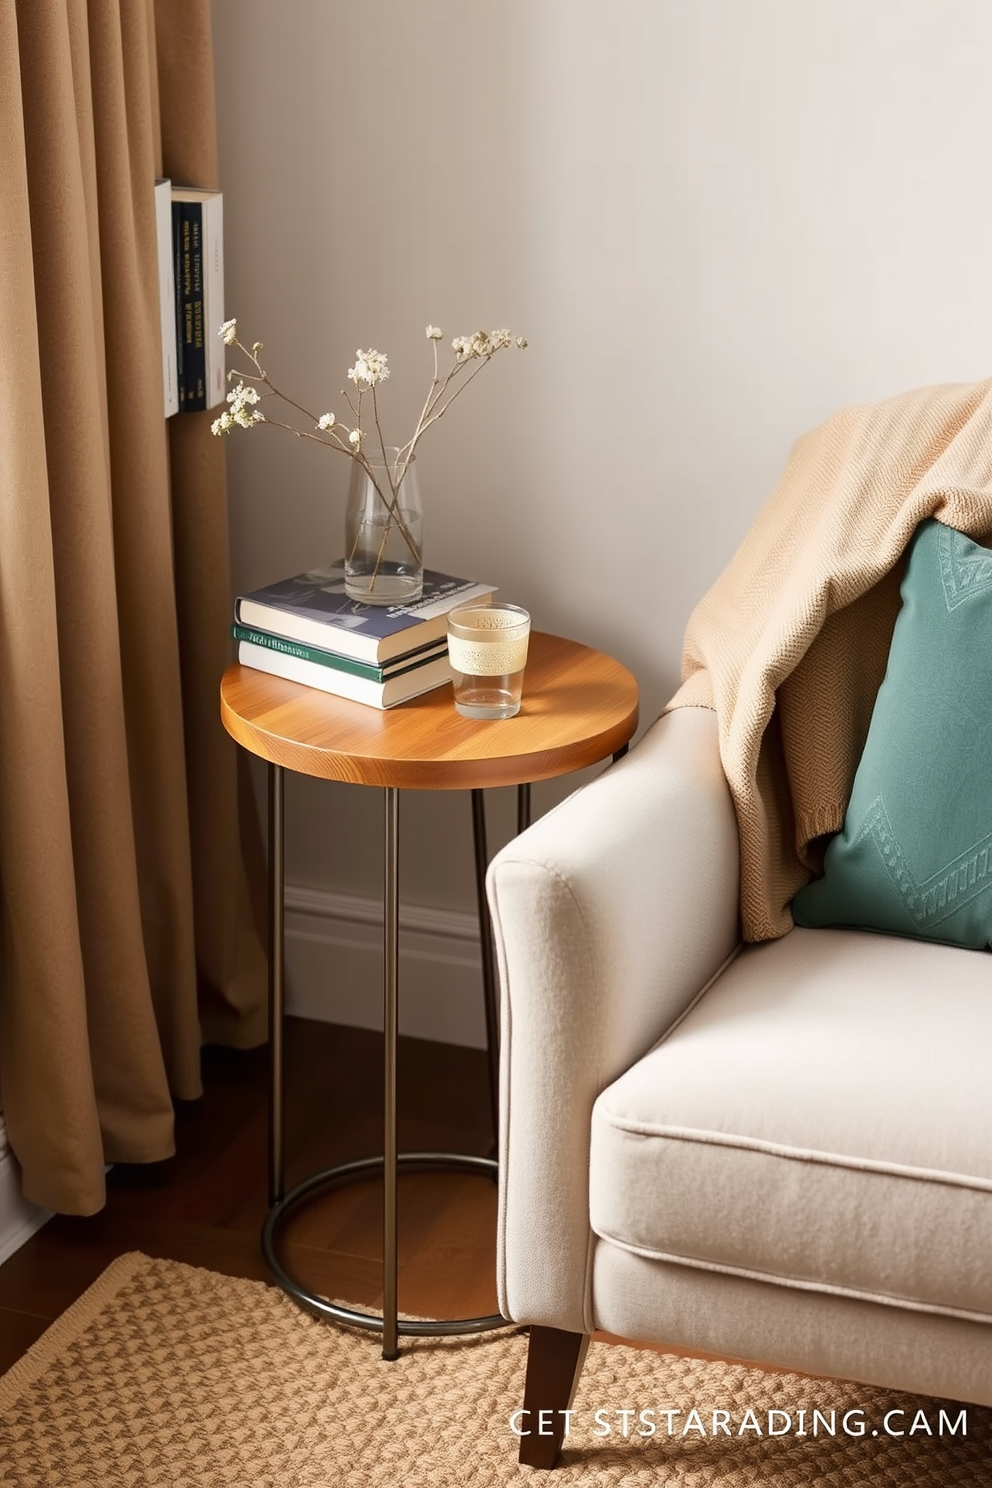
[(487, 648)]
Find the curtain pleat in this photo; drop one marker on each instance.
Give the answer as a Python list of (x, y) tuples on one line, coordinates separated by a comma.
[(227, 878), (109, 647), (42, 1008)]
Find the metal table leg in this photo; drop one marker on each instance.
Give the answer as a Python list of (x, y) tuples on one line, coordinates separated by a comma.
[(282, 1204), (523, 807), (391, 955), (489, 989), (276, 988), (488, 959)]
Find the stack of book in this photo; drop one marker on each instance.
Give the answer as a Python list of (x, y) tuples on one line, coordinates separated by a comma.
[(190, 225), (307, 630)]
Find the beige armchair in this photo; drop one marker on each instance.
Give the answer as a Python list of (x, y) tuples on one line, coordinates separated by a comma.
[(780, 1153)]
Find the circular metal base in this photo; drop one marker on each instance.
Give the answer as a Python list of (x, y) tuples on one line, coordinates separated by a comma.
[(348, 1172)]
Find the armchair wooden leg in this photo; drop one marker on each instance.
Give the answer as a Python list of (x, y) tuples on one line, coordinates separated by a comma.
[(554, 1363)]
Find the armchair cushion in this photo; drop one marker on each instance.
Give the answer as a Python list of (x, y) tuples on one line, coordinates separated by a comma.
[(797, 1126), (915, 854)]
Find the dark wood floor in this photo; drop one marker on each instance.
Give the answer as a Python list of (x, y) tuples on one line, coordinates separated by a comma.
[(206, 1205)]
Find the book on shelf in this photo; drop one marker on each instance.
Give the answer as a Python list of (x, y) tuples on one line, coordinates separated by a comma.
[(198, 243), (314, 608), (334, 660), (190, 353), (420, 674), (167, 293)]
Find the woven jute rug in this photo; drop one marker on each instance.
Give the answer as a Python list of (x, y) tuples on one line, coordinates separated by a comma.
[(165, 1374)]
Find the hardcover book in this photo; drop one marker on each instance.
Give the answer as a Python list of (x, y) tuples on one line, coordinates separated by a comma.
[(313, 608), (198, 231), (336, 662), (189, 308), (422, 675), (167, 293)]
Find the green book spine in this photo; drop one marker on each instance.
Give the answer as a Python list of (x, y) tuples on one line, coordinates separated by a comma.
[(309, 653), (337, 663)]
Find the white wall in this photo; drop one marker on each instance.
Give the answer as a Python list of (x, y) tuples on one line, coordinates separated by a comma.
[(715, 220)]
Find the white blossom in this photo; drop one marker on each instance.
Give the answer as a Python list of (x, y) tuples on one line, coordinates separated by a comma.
[(482, 344), (241, 412), (238, 414), (370, 368)]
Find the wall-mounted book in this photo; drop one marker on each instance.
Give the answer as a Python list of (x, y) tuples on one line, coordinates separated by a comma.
[(167, 293), (198, 257)]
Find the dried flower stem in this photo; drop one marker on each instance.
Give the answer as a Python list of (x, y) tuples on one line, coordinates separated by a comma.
[(369, 370)]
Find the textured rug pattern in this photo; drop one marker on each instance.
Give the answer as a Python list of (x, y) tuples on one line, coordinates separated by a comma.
[(168, 1376)]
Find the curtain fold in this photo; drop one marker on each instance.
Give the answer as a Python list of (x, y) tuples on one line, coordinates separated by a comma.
[(126, 908), (230, 896)]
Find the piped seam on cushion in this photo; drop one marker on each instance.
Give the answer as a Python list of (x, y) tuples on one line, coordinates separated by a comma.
[(705, 1138), (909, 1304)]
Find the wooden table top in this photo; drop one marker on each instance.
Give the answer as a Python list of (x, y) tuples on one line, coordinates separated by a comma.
[(578, 707)]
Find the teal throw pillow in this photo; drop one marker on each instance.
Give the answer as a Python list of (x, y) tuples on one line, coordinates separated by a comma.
[(915, 853)]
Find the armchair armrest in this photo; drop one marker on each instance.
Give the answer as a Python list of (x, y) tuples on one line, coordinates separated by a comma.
[(610, 915)]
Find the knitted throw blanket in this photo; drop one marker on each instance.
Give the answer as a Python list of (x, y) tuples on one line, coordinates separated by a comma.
[(790, 644)]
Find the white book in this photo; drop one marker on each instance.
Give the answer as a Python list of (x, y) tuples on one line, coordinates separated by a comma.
[(167, 293), (213, 293), (399, 688)]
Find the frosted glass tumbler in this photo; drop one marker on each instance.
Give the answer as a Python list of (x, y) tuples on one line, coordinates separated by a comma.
[(487, 648)]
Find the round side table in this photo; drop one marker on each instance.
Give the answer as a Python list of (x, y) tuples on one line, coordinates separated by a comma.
[(579, 708)]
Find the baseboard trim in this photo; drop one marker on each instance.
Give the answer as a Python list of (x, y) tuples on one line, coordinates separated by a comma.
[(19, 1220), (334, 965)]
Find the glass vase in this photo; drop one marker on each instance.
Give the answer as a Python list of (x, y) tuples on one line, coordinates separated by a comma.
[(384, 531)]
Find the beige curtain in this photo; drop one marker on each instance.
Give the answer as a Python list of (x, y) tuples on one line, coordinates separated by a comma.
[(127, 930)]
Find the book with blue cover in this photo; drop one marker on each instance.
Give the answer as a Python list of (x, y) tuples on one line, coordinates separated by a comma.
[(313, 608)]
